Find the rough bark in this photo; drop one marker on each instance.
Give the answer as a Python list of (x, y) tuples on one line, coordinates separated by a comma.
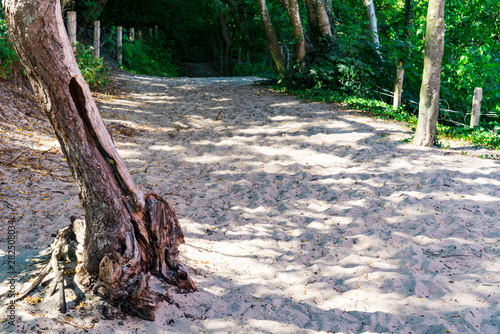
[(274, 46), (129, 235), (431, 81)]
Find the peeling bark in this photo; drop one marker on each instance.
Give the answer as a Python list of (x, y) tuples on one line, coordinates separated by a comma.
[(129, 235)]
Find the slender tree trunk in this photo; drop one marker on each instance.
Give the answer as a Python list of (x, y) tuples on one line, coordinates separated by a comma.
[(223, 29), (323, 20), (311, 15), (274, 46), (238, 20), (431, 81), (129, 235), (298, 33), (372, 19)]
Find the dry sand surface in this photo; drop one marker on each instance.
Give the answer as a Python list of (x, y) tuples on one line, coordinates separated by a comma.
[(299, 217)]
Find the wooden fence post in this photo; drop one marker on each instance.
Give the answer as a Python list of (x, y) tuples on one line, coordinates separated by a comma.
[(476, 107), (156, 32), (72, 28), (398, 87), (97, 38), (119, 34), (139, 34), (150, 33), (132, 35)]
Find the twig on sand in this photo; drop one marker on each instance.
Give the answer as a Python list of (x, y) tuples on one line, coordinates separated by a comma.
[(10, 163), (454, 255), (218, 115), (172, 192)]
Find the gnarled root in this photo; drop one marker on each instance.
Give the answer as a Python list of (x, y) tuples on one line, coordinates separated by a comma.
[(59, 247), (155, 253)]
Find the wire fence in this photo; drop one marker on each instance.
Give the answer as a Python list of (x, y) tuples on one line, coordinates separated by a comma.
[(444, 110)]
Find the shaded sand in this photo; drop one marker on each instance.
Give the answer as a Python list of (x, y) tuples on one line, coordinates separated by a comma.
[(299, 217)]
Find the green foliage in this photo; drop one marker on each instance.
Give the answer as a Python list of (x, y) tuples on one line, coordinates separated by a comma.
[(93, 69), (150, 57), (261, 69), (8, 56)]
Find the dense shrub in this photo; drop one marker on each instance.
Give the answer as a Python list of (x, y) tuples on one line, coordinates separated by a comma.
[(93, 69), (152, 56), (8, 56)]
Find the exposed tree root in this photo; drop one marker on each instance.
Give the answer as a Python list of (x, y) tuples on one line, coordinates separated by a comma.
[(59, 247), (130, 295)]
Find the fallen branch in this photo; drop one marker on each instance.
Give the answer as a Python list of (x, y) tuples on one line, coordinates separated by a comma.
[(454, 255)]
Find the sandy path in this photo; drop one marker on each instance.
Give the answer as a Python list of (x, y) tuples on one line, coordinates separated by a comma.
[(300, 217)]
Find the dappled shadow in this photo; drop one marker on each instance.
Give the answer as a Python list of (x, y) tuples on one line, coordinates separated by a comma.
[(331, 213), (301, 217)]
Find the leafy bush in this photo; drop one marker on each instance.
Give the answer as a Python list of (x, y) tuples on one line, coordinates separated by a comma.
[(93, 69), (150, 57), (258, 69), (8, 56)]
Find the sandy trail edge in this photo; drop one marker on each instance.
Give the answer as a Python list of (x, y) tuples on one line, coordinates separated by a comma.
[(299, 217)]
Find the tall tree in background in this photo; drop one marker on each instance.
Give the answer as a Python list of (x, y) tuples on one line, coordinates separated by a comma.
[(318, 17), (238, 18), (372, 19), (428, 109), (298, 32), (323, 20), (129, 235), (274, 46), (292, 10)]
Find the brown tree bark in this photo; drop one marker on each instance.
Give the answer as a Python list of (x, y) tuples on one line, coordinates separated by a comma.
[(274, 46), (129, 235), (431, 78)]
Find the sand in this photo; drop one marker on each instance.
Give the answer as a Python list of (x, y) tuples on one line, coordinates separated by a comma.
[(299, 217)]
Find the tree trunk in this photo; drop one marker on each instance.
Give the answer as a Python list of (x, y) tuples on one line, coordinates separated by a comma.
[(298, 32), (223, 28), (238, 20), (129, 235), (274, 46), (311, 15), (323, 20), (428, 109), (372, 19)]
